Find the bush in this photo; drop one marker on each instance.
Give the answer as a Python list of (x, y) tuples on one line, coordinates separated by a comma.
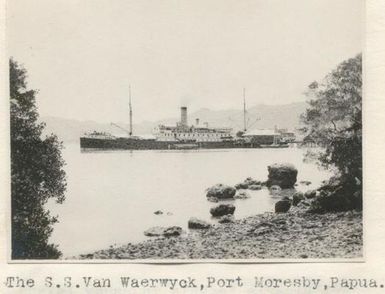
[(338, 195)]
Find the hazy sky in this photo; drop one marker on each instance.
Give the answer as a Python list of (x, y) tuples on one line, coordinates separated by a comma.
[(83, 54)]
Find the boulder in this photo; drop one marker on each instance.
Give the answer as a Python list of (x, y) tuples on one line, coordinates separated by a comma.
[(158, 212), (310, 194), (195, 223), (222, 209), (229, 218), (255, 187), (282, 206), (297, 198), (242, 195), (221, 191), (282, 174)]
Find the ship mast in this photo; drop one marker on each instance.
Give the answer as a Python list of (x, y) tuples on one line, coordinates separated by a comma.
[(244, 110), (129, 92)]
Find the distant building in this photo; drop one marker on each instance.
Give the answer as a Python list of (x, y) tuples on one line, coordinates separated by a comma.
[(286, 137), (262, 136), (194, 133)]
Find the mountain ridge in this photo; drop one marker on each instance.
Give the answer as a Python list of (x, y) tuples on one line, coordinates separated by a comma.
[(259, 116)]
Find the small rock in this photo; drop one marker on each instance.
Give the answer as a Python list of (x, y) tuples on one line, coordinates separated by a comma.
[(242, 195), (154, 232), (229, 218), (282, 206), (195, 223), (307, 183), (160, 231), (275, 190), (279, 221), (158, 212), (251, 181), (262, 231), (304, 204), (297, 198), (172, 231), (222, 209), (255, 187), (310, 194), (241, 186)]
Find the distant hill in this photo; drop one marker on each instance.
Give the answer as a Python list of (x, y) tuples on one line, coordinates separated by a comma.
[(259, 117), (69, 130)]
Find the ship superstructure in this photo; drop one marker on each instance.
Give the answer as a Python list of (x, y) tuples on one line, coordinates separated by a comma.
[(182, 131)]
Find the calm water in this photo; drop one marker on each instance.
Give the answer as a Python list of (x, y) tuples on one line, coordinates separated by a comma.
[(112, 196)]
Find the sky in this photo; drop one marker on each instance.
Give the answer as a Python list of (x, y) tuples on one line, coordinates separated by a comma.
[(82, 55)]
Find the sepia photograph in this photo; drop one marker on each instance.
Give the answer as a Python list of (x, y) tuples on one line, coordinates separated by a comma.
[(184, 131)]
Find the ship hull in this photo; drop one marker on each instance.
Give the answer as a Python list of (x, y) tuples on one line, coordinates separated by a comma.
[(137, 144)]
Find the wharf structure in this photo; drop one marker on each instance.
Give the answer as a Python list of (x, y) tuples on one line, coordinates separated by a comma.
[(262, 136)]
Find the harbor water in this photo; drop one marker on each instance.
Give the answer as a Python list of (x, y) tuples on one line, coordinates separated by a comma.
[(112, 195)]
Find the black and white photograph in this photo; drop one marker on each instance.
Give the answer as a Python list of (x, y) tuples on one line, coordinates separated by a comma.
[(185, 131)]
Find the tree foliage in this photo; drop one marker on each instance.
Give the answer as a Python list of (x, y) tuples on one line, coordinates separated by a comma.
[(333, 120), (37, 173)]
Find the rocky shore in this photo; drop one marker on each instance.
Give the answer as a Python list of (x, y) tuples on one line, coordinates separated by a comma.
[(295, 230), (296, 234)]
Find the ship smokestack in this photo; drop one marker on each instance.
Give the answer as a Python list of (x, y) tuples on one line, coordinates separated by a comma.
[(183, 116), (197, 121)]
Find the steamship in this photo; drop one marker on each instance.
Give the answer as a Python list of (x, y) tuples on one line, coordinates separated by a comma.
[(180, 136)]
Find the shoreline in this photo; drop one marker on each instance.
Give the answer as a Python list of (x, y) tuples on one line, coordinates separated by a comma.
[(295, 234)]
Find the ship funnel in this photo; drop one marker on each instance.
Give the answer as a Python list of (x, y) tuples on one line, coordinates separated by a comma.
[(183, 116), (197, 121)]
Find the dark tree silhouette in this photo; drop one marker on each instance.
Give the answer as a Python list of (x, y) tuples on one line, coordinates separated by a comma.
[(37, 173), (333, 120)]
